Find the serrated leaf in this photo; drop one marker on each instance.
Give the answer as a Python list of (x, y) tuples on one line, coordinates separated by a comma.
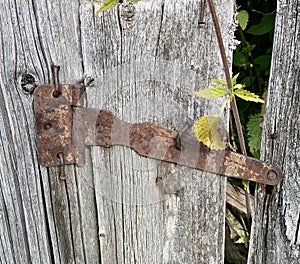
[(220, 82), (243, 240), (238, 86), (243, 18), (234, 78), (211, 93), (108, 4), (248, 96), (254, 132), (207, 131)]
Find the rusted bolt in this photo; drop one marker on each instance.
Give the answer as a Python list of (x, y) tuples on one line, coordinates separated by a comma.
[(100, 128), (47, 126), (272, 175)]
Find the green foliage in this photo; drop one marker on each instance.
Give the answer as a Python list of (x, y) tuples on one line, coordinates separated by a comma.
[(254, 132), (243, 17), (245, 184), (243, 240), (208, 127), (110, 4), (252, 59), (248, 96), (207, 130), (210, 93), (266, 25)]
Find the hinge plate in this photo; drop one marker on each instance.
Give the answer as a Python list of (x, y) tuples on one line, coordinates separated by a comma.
[(53, 123), (64, 126)]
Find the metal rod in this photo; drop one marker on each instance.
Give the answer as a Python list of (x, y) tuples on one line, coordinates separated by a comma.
[(202, 12), (233, 101), (62, 174), (57, 91)]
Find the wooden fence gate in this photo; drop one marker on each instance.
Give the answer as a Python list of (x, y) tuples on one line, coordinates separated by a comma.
[(146, 58)]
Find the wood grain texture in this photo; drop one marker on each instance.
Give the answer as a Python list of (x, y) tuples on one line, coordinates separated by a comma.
[(146, 59), (275, 233), (154, 56), (42, 219)]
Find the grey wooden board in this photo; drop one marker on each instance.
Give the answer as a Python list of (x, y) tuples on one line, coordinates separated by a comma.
[(111, 210), (275, 230)]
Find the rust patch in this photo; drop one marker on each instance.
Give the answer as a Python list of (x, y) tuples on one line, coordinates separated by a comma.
[(53, 122)]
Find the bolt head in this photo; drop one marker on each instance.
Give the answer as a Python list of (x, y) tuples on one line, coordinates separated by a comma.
[(272, 175)]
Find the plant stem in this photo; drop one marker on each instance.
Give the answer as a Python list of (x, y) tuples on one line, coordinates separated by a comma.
[(229, 83), (245, 44)]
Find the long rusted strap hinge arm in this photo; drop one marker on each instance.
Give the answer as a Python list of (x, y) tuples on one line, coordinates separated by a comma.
[(64, 128)]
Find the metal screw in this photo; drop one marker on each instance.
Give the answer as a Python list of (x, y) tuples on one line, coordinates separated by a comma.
[(272, 175), (100, 128), (47, 126)]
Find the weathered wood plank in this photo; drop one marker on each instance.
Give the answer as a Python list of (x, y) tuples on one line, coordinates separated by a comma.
[(275, 233), (42, 218), (147, 58), (111, 210)]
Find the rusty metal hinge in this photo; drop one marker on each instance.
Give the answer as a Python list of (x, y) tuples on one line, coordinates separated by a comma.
[(64, 128)]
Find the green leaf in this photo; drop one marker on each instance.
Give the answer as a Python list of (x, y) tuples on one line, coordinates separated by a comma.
[(265, 26), (248, 49), (220, 82), (239, 59), (248, 81), (248, 96), (207, 130), (108, 4), (254, 132), (263, 62), (234, 78), (238, 86), (243, 240), (210, 93), (243, 18)]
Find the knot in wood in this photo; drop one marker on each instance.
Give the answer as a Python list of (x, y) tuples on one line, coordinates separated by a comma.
[(27, 83), (128, 11)]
